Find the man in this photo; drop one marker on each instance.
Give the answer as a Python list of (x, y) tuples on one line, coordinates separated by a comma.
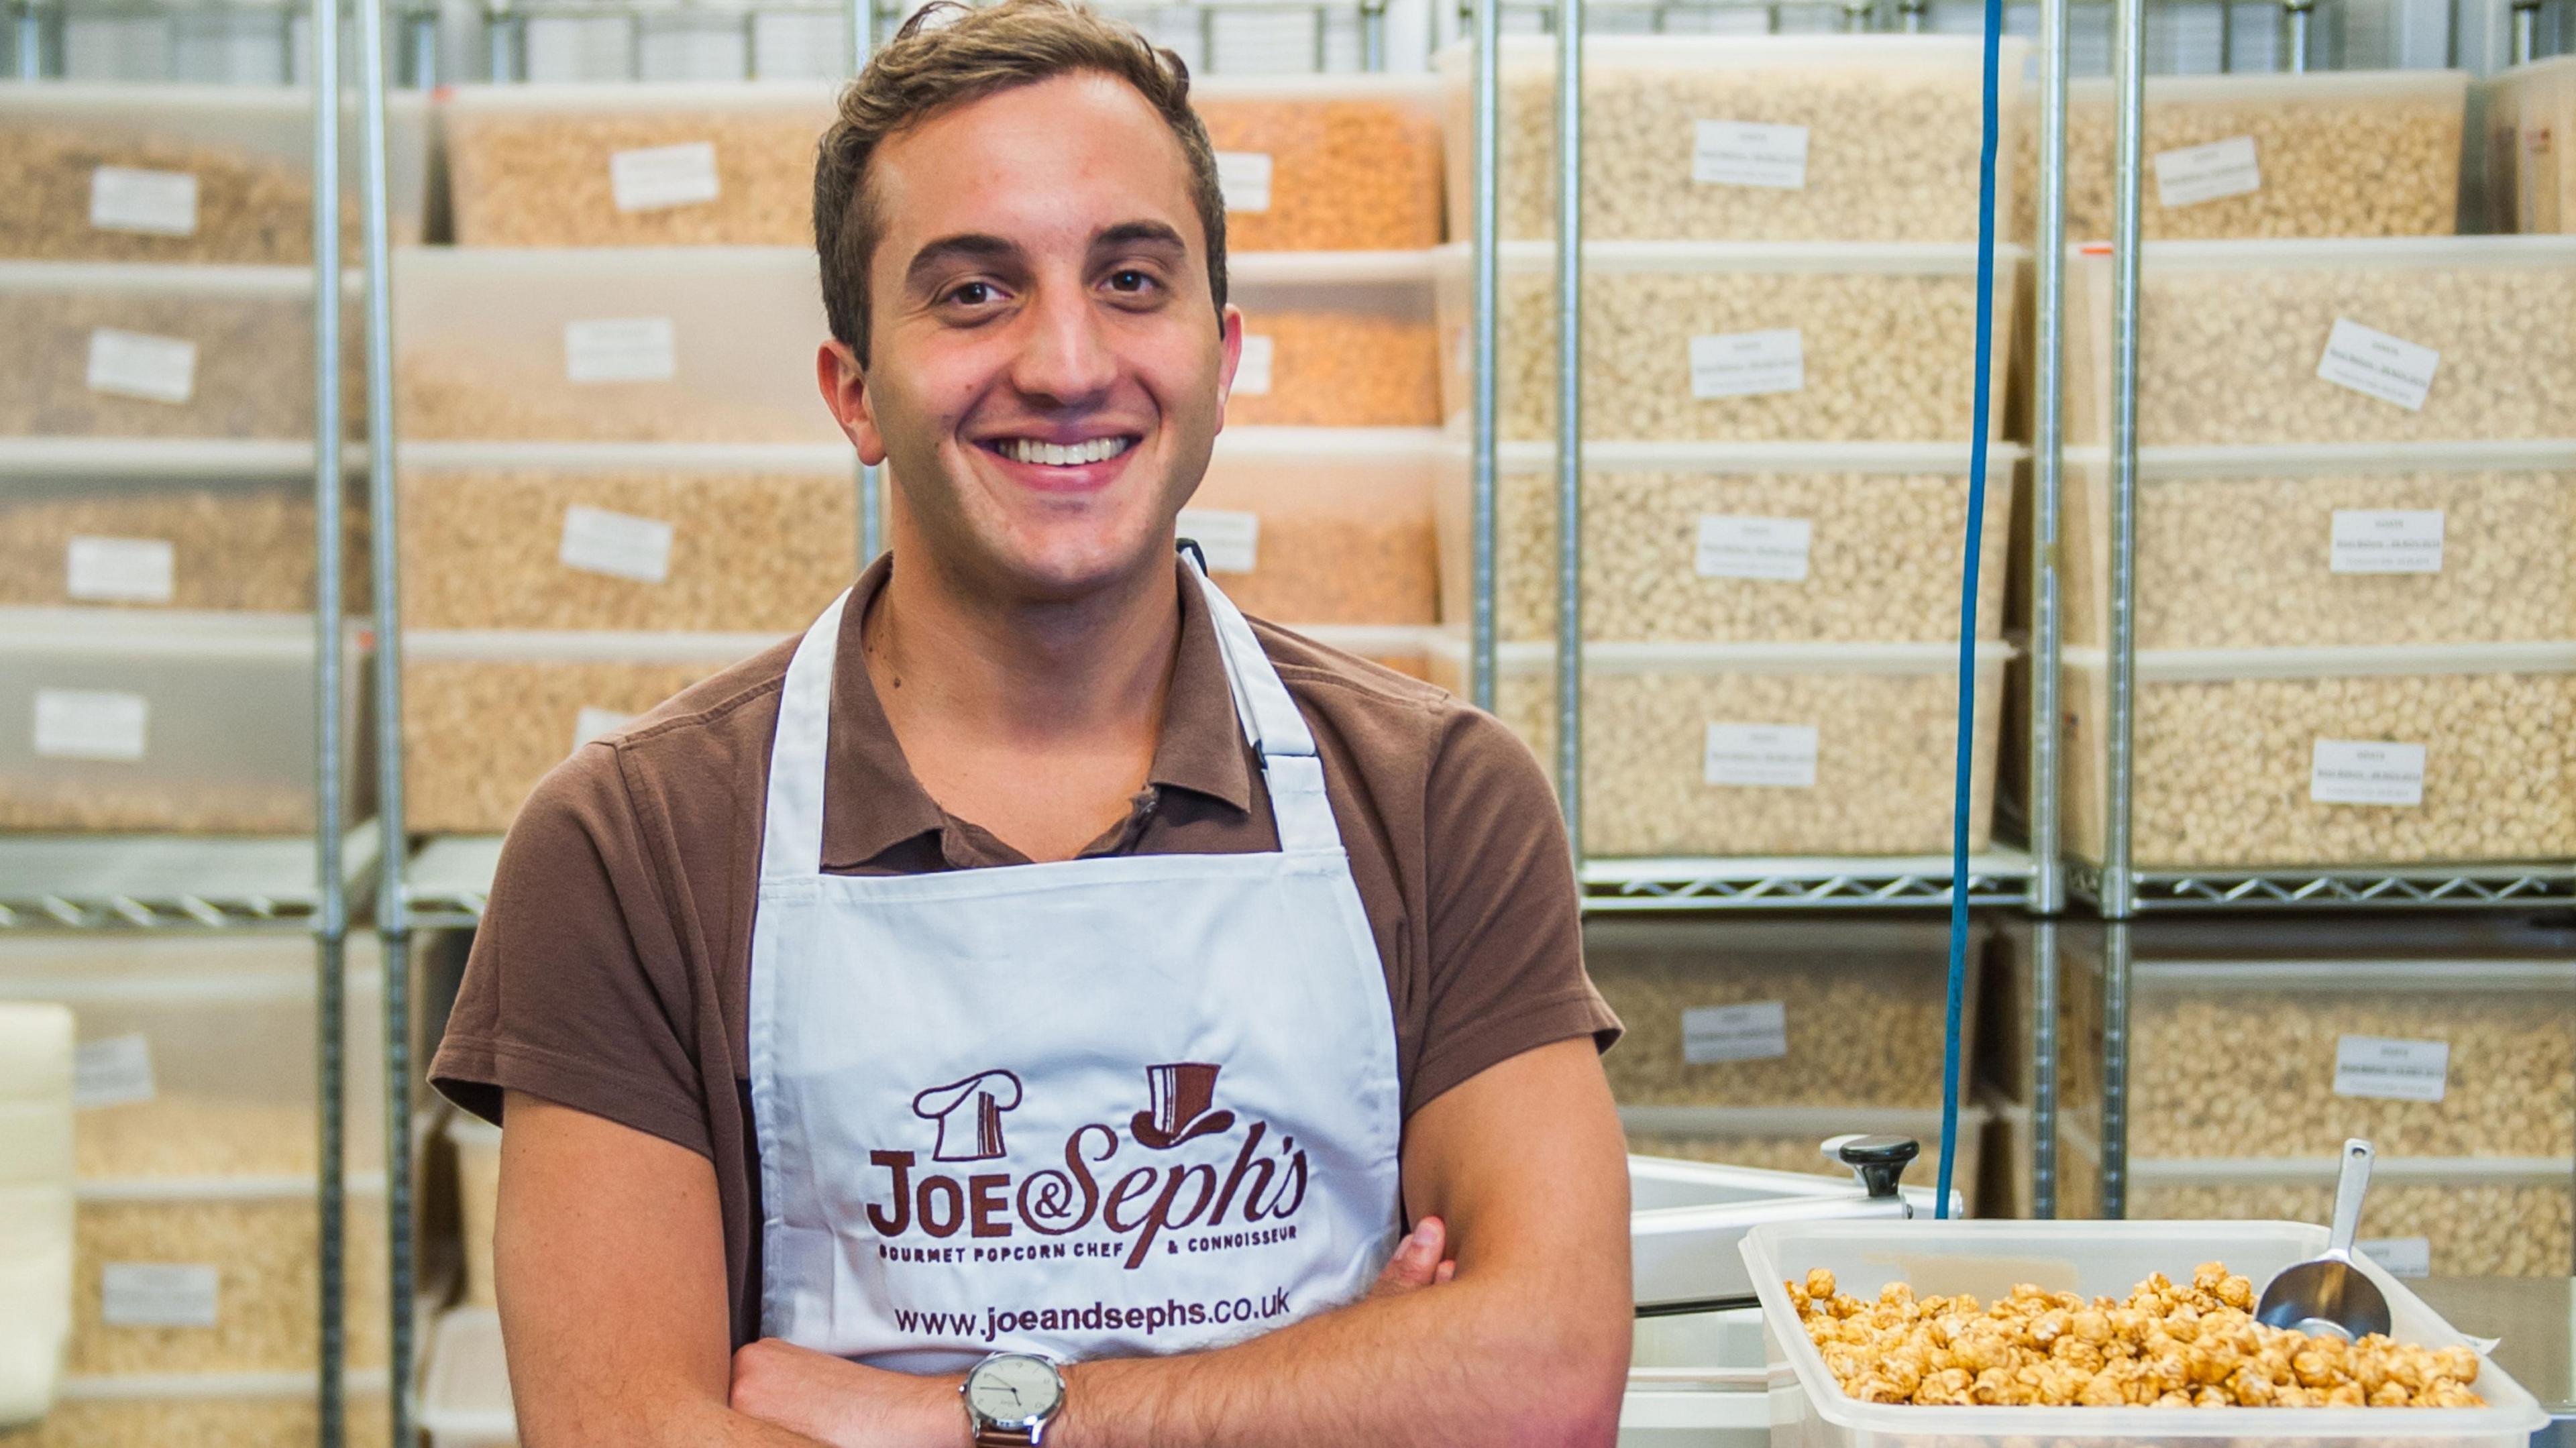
[(1038, 987)]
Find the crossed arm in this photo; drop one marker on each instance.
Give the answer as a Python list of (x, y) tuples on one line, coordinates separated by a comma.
[(1518, 1175)]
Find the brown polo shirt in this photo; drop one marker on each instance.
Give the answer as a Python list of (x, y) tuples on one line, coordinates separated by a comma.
[(611, 970)]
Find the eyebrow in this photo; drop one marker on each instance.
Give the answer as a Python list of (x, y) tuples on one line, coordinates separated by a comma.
[(972, 245), (1130, 233)]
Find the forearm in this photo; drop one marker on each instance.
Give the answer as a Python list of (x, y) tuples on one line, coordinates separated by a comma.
[(1474, 1362), (693, 1423)]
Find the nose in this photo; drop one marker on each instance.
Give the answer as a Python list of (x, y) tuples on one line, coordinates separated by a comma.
[(1065, 358)]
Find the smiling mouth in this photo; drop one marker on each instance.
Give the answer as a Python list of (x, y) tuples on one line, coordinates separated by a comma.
[(1060, 455)]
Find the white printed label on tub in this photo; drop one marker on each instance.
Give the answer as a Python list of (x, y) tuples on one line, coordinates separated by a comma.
[(1231, 541), (138, 364), (1244, 179), (1747, 364), (1252, 374), (1778, 756), (116, 1071), (2386, 540), (620, 545), (119, 570), (158, 1294), (2366, 771), (155, 203), (2194, 174), (91, 724), (621, 349), (2402, 1256), (2383, 1069), (2376, 364), (657, 178), (1737, 546), (1757, 1031), (1745, 153), (590, 723)]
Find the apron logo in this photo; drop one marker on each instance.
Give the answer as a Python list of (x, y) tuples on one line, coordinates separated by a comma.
[(1261, 1188), (969, 1114)]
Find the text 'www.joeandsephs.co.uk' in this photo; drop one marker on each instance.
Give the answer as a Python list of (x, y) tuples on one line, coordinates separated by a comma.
[(990, 1324)]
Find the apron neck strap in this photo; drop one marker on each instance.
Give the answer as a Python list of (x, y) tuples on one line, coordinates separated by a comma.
[(791, 834)]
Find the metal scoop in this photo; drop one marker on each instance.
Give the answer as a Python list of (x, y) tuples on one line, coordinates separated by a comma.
[(2330, 1296)]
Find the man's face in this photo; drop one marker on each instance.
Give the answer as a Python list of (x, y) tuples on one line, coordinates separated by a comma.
[(1047, 370)]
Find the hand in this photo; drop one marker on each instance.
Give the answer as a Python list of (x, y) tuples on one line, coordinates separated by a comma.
[(1421, 1260), (845, 1404)]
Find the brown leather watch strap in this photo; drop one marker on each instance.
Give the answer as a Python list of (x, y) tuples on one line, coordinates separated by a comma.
[(1003, 1438)]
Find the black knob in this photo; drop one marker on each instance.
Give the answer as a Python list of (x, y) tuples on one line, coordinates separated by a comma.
[(1880, 1160)]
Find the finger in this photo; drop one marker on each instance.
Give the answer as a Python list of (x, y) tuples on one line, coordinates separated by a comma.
[(1416, 1260), (1447, 1271)]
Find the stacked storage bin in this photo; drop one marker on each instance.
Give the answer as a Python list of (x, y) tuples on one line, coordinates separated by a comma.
[(2257, 1048), (156, 421), (196, 1251), (1780, 315)]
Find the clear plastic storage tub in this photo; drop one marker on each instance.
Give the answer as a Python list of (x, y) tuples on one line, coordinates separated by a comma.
[(102, 349), (1324, 162), (1746, 137), (668, 164), (1759, 749), (642, 536), (218, 1275), (2093, 1259), (221, 1410), (200, 722), (2335, 341), (478, 1193), (187, 173), (1335, 340), (487, 713), (1776, 1013), (2333, 756), (2329, 153), (1321, 526), (661, 344), (2291, 547), (465, 1397), (1739, 342), (2531, 118), (1792, 1138), (1699, 543), (144, 526)]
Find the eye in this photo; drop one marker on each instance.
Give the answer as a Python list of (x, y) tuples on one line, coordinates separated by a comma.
[(1131, 280), (972, 294)]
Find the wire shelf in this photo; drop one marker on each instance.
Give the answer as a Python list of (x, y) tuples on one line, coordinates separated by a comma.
[(168, 882), (2000, 877), (2520, 886)]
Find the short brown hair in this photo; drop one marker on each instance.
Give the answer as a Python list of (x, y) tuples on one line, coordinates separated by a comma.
[(951, 53)]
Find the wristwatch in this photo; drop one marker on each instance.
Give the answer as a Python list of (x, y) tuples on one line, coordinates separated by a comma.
[(1011, 1397)]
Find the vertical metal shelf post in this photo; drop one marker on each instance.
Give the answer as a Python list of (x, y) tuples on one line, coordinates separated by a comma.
[(2297, 17), (863, 40), (2048, 470), (1486, 286), (331, 918), (2046, 992), (393, 925), (1569, 422)]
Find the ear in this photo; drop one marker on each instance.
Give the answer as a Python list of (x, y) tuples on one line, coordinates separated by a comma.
[(1230, 342), (844, 384)]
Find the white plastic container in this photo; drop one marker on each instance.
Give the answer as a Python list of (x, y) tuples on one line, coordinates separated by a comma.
[(1746, 137), (1776, 1140), (2320, 154), (269, 1409), (465, 1395), (2360, 544), (1343, 162), (626, 536), (2333, 756), (1321, 525), (1684, 1221), (103, 349), (193, 722), (2335, 341), (193, 173), (708, 163), (650, 344), (132, 526), (478, 1190), (1334, 339), (2094, 1259), (1777, 1013), (487, 713), (1738, 543), (1759, 749), (1820, 341), (2531, 114)]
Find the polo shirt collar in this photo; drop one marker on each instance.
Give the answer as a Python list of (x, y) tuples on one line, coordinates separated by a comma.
[(873, 802)]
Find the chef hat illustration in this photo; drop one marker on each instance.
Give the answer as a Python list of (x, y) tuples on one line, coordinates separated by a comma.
[(969, 1114)]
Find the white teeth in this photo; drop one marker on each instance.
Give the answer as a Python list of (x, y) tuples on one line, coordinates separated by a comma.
[(1061, 455)]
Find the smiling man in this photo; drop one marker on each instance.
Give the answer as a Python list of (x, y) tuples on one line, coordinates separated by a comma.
[(1040, 1004)]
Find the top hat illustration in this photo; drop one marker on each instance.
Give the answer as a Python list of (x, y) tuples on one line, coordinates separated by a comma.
[(1181, 1093), (969, 1114)]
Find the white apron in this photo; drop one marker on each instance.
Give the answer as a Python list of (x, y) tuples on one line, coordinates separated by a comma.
[(1105, 1107)]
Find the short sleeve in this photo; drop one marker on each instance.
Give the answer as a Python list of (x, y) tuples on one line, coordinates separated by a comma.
[(1504, 920), (576, 991)]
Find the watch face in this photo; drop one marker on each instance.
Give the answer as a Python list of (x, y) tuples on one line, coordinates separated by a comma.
[(1014, 1389)]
